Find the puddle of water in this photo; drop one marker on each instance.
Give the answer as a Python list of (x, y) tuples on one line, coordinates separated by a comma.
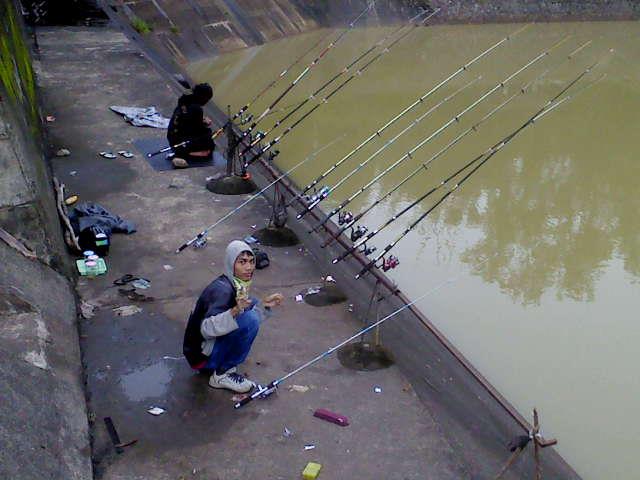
[(148, 382)]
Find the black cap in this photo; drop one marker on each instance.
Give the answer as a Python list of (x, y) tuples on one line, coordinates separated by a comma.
[(202, 92)]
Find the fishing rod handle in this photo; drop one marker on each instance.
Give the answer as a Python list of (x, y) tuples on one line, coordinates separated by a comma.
[(243, 402)]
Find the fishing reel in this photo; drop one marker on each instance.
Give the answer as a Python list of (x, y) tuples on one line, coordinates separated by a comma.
[(390, 263), (317, 196), (358, 232), (367, 250), (200, 242), (257, 137), (273, 154), (244, 120), (345, 217)]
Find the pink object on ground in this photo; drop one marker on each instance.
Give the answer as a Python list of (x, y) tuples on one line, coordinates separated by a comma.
[(332, 417)]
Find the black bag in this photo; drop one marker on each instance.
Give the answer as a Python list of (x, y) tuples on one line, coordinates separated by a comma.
[(95, 238), (262, 259)]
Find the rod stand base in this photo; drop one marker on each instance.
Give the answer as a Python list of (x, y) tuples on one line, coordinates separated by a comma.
[(328, 294), (365, 356), (277, 237), (231, 185)]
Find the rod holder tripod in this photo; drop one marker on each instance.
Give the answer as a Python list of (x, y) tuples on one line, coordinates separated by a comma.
[(276, 233), (367, 355), (232, 183)]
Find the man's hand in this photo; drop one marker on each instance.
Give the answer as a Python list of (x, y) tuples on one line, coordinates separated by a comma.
[(242, 303), (273, 300)]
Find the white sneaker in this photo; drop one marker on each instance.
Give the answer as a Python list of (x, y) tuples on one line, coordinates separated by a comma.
[(231, 381)]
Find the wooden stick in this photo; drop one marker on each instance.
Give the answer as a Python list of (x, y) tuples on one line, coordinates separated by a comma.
[(536, 445), (63, 214), (512, 459), (14, 243)]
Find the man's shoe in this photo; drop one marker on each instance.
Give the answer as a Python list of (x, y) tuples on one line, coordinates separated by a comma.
[(231, 381), (179, 162)]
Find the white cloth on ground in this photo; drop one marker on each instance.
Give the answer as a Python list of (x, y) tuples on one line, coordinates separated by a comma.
[(142, 116)]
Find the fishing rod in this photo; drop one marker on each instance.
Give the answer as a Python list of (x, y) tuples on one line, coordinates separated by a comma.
[(409, 154), (478, 161), (264, 391), (281, 96), (254, 196), (318, 105), (351, 220), (282, 74), (271, 84), (378, 132), (308, 68), (262, 135)]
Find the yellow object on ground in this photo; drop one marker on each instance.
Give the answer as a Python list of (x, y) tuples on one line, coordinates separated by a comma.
[(71, 200), (311, 471)]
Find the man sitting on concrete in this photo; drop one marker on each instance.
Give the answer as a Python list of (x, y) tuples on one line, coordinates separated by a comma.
[(225, 322), (189, 124)]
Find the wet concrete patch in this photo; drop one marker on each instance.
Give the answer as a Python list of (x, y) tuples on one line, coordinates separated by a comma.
[(147, 382)]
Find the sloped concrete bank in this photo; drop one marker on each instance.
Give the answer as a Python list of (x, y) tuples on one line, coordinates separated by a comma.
[(44, 430), (194, 29)]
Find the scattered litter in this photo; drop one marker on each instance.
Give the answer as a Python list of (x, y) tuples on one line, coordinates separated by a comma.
[(313, 290), (50, 118), (141, 283), (329, 278), (299, 298), (71, 200), (167, 267), (287, 433), (311, 471), (127, 310), (63, 152), (254, 226), (377, 389), (72, 173), (332, 417), (108, 155), (169, 357), (350, 307), (156, 411), (310, 446), (142, 116), (125, 153), (299, 388), (87, 310), (250, 239)]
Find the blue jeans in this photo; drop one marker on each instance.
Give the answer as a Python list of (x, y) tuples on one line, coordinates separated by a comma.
[(232, 349)]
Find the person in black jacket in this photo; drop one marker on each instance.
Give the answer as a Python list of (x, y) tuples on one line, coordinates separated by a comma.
[(189, 124), (225, 322)]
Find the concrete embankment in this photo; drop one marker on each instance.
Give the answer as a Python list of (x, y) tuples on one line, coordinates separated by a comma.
[(44, 430), (196, 29)]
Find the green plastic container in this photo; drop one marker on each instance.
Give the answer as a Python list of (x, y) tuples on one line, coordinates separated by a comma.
[(99, 269)]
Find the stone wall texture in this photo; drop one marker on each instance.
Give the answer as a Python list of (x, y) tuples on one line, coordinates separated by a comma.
[(44, 427)]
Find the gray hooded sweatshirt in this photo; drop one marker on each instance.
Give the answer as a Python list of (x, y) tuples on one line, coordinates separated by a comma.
[(217, 324)]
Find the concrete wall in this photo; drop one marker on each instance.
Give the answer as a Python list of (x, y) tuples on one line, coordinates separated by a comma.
[(188, 30), (44, 429)]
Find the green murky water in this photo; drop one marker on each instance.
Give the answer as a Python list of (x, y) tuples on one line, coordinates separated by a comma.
[(542, 244)]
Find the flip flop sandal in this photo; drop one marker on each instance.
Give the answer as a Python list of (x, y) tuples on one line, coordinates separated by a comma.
[(123, 280), (135, 296), (125, 153), (108, 155)]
